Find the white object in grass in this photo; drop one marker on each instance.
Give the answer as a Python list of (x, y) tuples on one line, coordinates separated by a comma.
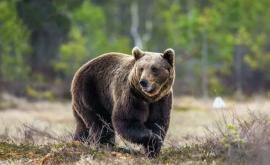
[(218, 103)]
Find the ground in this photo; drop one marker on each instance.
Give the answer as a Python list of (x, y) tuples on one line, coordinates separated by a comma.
[(41, 131)]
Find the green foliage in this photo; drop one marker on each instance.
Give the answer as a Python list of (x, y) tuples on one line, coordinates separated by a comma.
[(87, 39), (34, 94), (72, 54), (206, 35), (91, 22), (222, 26), (258, 59), (232, 136), (216, 87), (14, 43)]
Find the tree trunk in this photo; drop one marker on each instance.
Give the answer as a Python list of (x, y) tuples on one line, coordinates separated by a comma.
[(204, 59), (134, 29), (238, 66), (147, 10), (1, 63)]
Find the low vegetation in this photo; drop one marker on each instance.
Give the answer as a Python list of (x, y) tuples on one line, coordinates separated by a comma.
[(235, 141)]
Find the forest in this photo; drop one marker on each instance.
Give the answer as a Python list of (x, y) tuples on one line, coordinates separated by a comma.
[(222, 47), (220, 110)]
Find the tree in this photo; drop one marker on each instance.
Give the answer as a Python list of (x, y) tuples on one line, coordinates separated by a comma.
[(87, 39), (13, 43)]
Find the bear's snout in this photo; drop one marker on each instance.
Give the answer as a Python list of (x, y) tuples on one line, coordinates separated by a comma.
[(143, 83), (146, 86)]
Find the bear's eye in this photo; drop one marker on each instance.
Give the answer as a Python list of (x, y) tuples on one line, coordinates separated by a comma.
[(154, 69), (141, 69)]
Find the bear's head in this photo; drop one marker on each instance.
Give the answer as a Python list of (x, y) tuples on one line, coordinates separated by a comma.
[(153, 73)]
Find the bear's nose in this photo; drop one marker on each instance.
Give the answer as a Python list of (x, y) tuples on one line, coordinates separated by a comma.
[(144, 83)]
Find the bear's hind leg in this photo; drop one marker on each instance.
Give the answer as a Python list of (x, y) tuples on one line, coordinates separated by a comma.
[(107, 135), (81, 131), (99, 129)]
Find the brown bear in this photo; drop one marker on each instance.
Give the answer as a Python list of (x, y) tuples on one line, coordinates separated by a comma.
[(130, 95)]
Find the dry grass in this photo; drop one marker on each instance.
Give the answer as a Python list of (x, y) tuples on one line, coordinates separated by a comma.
[(41, 133)]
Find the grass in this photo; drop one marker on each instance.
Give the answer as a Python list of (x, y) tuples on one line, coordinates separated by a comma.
[(196, 136), (71, 152), (239, 141)]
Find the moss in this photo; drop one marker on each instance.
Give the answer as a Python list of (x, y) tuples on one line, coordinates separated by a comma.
[(65, 153), (13, 151), (62, 153), (71, 152)]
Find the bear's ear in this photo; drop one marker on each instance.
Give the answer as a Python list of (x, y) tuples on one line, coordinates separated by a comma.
[(137, 53), (169, 55)]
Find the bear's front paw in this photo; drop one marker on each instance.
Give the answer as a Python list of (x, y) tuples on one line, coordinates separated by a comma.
[(153, 146), (152, 150)]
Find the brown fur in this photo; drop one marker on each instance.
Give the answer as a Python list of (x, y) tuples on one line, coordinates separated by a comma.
[(107, 89)]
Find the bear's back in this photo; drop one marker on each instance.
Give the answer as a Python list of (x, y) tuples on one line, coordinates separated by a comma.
[(100, 77)]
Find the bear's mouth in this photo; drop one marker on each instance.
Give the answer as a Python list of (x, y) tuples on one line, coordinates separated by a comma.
[(150, 91)]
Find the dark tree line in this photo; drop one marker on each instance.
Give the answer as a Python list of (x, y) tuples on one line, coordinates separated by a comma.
[(222, 46)]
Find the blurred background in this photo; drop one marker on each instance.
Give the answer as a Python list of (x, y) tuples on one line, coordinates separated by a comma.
[(222, 47)]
